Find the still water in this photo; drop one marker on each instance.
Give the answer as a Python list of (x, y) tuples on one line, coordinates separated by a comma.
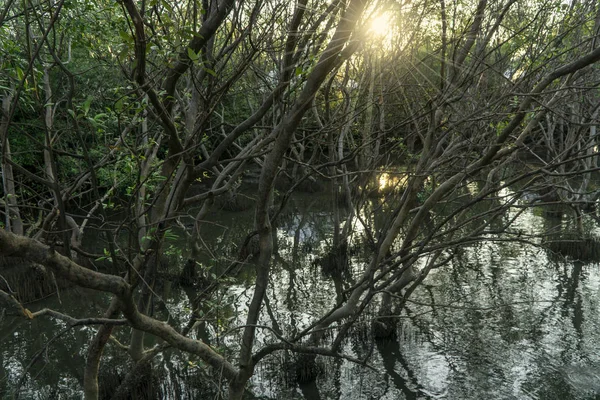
[(504, 320)]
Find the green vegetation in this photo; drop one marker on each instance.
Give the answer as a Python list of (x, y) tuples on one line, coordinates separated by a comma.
[(130, 121)]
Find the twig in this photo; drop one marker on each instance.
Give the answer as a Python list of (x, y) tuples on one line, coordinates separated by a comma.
[(72, 322)]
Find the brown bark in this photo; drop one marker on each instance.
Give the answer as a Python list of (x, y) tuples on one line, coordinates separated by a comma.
[(283, 134), (94, 354), (495, 151), (31, 250), (13, 221)]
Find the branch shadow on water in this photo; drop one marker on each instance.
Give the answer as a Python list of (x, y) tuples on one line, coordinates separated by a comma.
[(391, 354)]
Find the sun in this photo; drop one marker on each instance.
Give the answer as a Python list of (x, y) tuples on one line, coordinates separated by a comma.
[(380, 25)]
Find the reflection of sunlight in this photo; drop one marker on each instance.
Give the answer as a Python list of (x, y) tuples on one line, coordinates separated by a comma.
[(504, 191), (383, 180), (387, 181)]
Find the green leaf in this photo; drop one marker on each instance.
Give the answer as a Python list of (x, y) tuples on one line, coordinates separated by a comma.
[(298, 71), (86, 105), (119, 105), (210, 72), (192, 55), (166, 5), (125, 36)]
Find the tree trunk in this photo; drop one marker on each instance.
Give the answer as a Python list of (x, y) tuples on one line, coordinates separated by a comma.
[(283, 134), (13, 221), (94, 354), (366, 153)]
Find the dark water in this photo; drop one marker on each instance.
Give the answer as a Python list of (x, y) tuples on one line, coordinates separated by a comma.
[(504, 320)]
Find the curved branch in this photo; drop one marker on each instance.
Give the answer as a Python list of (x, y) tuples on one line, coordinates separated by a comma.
[(32, 250)]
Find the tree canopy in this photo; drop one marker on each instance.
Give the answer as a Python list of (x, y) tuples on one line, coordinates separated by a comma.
[(128, 122)]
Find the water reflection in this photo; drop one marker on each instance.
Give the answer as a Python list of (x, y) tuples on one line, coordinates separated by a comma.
[(502, 321), (505, 320)]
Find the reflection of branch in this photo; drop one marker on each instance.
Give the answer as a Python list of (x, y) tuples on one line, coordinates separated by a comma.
[(455, 307), (276, 327), (35, 358), (477, 308), (124, 389), (274, 331), (71, 322), (297, 348), (31, 250)]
